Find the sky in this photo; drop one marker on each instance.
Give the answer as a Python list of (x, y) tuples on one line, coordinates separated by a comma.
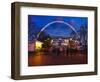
[(37, 22)]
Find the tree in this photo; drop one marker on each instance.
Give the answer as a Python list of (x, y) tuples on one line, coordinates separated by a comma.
[(83, 34)]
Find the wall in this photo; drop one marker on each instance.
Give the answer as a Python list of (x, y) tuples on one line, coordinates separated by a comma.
[(5, 38)]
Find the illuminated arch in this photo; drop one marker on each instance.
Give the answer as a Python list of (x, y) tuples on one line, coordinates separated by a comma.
[(47, 25)]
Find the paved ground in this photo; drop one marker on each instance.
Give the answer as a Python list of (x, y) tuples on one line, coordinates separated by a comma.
[(42, 59)]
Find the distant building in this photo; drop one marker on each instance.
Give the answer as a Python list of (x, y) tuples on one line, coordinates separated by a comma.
[(31, 46), (65, 42), (38, 45)]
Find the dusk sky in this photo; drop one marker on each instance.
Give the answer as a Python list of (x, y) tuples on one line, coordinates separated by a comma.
[(37, 22)]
